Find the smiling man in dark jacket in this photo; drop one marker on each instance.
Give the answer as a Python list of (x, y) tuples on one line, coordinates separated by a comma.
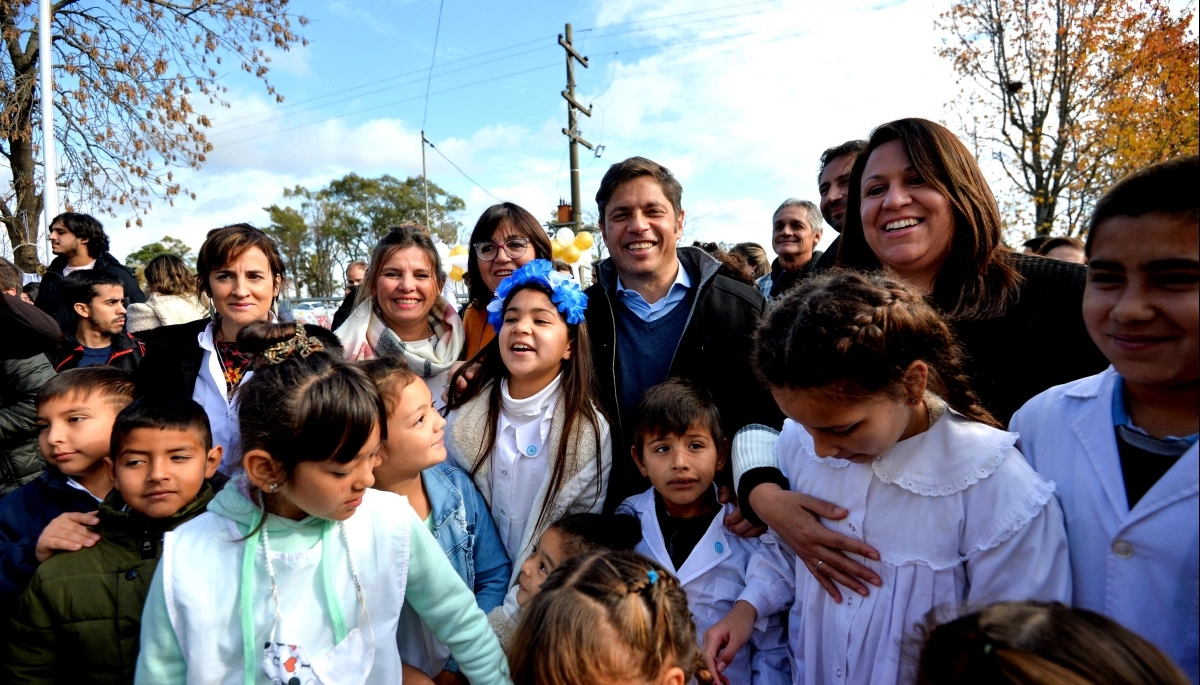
[(660, 311)]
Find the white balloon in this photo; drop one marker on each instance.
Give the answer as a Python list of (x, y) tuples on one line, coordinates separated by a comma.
[(564, 236), (443, 250), (458, 260)]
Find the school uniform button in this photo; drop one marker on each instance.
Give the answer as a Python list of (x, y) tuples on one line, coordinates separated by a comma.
[(131, 574), (504, 472), (849, 600), (719, 547), (1122, 549), (839, 673)]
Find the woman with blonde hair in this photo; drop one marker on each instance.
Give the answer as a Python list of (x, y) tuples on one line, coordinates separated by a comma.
[(172, 296)]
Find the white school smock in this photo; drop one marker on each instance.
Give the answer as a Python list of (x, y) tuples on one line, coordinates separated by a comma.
[(714, 577), (1140, 568), (520, 461), (191, 627), (210, 393), (957, 516)]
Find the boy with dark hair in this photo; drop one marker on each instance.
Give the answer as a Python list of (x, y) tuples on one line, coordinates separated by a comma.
[(75, 415), (679, 445), (21, 376), (92, 318), (80, 244), (1121, 445), (63, 626)]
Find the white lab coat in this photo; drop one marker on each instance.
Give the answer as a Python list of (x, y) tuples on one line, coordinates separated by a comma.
[(222, 412), (714, 577), (1137, 567)]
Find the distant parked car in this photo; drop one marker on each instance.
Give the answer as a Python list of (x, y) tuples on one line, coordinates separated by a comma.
[(312, 313)]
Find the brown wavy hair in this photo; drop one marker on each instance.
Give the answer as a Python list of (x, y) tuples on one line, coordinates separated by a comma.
[(604, 617), (578, 388), (398, 238), (1035, 643), (166, 274), (977, 281), (856, 334)]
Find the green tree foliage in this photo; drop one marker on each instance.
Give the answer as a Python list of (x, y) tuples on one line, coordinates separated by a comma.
[(133, 82), (342, 222), (168, 245)]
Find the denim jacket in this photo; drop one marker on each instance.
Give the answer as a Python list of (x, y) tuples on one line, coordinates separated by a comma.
[(463, 527)]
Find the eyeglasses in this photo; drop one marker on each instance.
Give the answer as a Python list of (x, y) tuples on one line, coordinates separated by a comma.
[(513, 247)]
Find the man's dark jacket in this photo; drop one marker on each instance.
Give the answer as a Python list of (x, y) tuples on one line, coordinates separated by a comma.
[(50, 294), (713, 354), (126, 354)]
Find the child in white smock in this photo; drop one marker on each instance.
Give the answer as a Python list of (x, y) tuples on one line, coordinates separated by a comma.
[(882, 421)]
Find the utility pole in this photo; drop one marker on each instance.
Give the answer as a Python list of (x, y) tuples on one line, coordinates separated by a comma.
[(425, 182), (571, 132), (49, 158)]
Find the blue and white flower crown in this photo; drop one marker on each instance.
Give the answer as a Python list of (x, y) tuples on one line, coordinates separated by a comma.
[(566, 294)]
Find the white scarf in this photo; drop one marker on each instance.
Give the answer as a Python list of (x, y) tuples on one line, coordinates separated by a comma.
[(365, 336)]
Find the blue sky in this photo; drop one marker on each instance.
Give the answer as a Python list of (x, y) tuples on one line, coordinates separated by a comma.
[(738, 98)]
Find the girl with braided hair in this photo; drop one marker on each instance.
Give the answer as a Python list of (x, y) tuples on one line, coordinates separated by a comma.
[(607, 618), (882, 421)]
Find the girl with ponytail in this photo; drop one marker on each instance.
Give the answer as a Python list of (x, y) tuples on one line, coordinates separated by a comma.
[(883, 421), (606, 618), (298, 571)]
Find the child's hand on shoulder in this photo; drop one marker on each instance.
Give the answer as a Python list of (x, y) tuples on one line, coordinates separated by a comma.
[(735, 522), (67, 533), (725, 637)]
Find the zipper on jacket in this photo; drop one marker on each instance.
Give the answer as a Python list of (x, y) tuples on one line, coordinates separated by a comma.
[(147, 545)]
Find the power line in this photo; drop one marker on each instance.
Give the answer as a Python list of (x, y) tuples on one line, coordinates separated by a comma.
[(429, 80), (368, 84), (474, 83), (431, 145)]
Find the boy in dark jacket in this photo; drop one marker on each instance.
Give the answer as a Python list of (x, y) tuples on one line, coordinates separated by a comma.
[(80, 618), (75, 414)]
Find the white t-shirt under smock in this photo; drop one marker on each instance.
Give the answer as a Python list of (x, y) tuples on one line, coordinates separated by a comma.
[(519, 462), (957, 515), (68, 270)]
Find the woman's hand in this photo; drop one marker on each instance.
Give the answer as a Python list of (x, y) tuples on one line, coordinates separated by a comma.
[(725, 637), (793, 516)]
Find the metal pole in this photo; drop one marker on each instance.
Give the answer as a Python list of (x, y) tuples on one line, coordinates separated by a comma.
[(50, 177), (576, 204), (425, 178)]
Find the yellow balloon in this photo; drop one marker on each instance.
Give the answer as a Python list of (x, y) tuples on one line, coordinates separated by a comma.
[(570, 254), (456, 273), (556, 250), (457, 250), (584, 240)]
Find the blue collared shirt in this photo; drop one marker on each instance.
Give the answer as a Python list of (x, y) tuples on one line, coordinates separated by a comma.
[(1121, 418), (647, 312)]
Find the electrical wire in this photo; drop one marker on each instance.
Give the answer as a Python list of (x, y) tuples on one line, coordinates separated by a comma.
[(431, 145), (433, 60)]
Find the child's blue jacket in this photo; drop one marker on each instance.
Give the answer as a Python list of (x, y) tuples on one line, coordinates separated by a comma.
[(24, 514)]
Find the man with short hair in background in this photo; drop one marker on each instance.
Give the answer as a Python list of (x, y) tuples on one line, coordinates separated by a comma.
[(356, 271), (833, 183), (80, 243), (795, 231), (92, 318)]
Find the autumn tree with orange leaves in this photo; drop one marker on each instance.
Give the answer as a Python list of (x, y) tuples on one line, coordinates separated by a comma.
[(1068, 96), (133, 80)]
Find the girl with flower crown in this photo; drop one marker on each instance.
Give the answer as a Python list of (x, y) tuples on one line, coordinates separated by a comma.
[(527, 427)]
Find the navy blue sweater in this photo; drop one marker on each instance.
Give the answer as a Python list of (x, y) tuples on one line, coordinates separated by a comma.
[(24, 514)]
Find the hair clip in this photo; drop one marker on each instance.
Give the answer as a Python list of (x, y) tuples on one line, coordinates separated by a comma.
[(566, 294), (653, 575), (300, 344), (987, 649)]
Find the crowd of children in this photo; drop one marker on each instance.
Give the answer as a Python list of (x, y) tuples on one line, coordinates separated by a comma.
[(364, 538)]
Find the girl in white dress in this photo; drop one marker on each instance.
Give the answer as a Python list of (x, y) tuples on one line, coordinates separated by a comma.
[(882, 421)]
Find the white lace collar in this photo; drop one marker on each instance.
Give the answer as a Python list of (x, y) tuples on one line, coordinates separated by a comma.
[(954, 454)]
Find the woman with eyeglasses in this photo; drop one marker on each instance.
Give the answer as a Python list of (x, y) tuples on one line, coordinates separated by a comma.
[(399, 309), (505, 238)]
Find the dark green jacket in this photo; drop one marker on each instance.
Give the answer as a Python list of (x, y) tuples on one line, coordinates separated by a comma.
[(20, 381), (80, 618)]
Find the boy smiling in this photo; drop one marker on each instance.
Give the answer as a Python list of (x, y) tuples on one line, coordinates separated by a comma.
[(161, 457)]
